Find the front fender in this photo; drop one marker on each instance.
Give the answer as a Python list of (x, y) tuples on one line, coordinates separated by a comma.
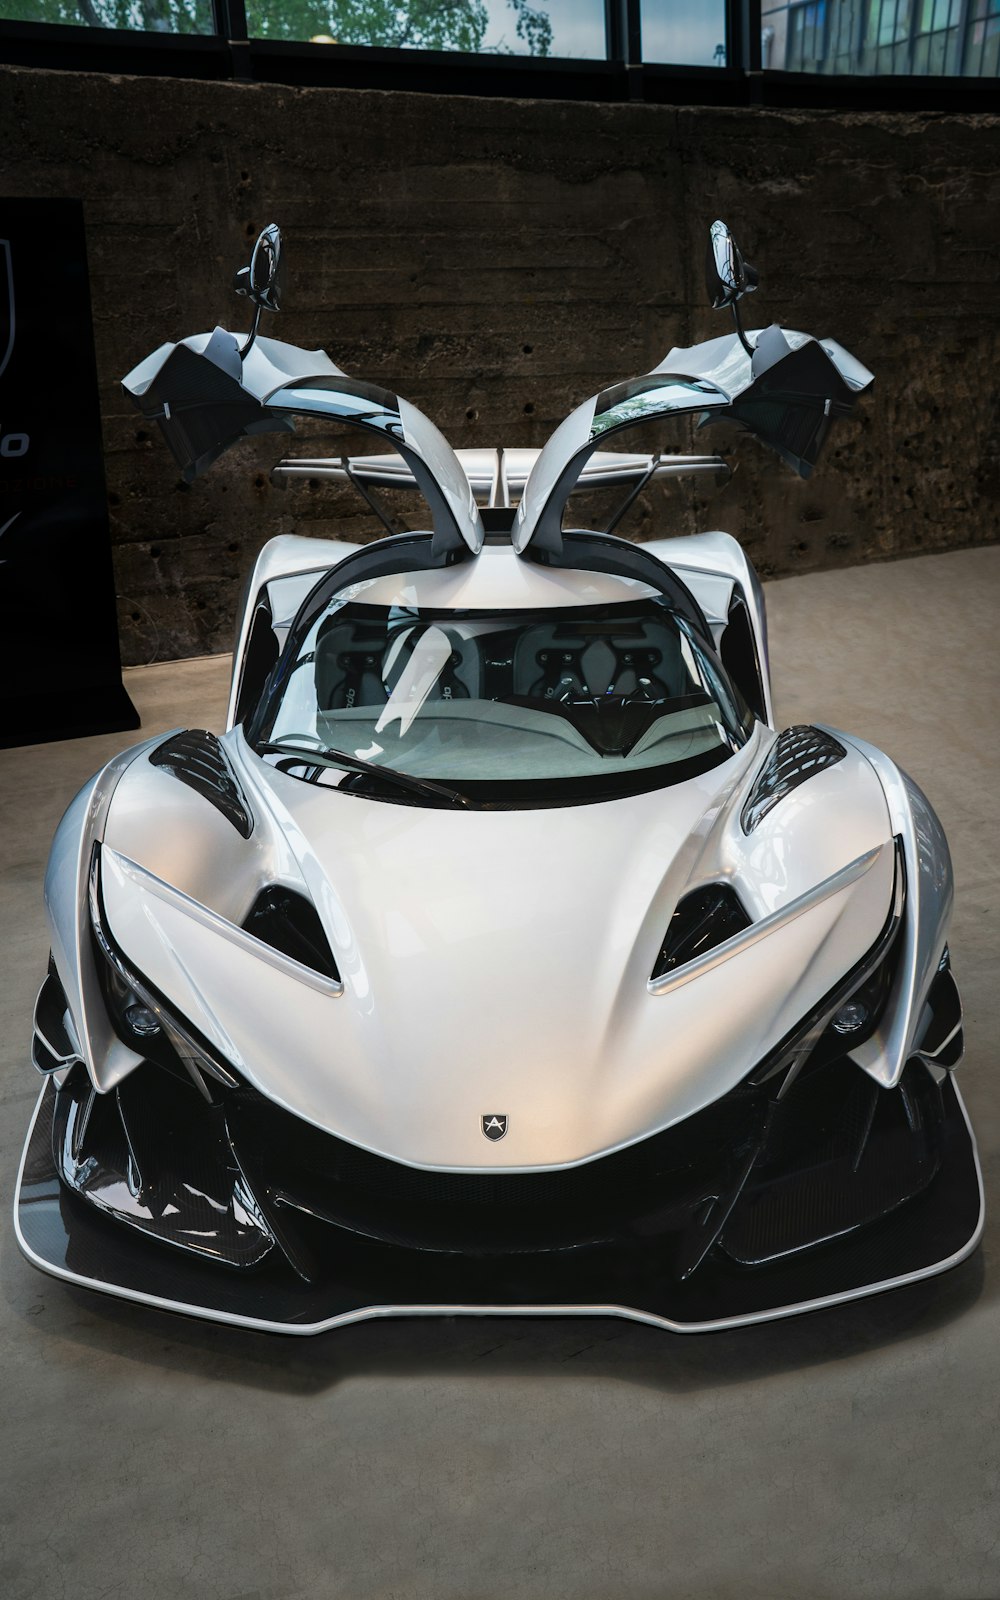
[(67, 879), (926, 914)]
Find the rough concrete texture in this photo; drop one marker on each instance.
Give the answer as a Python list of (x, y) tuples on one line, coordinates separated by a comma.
[(847, 1455), (497, 262)]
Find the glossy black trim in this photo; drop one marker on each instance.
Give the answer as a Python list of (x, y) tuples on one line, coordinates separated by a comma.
[(259, 659), (702, 920), (152, 1156), (656, 1187), (288, 922), (935, 1227), (740, 657), (797, 755), (198, 759)]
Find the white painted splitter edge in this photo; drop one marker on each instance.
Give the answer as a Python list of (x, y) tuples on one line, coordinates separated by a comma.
[(365, 1313)]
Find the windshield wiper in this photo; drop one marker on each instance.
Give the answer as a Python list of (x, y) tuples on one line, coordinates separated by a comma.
[(342, 758)]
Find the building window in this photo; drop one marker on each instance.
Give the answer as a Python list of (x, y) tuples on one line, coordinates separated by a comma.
[(561, 28), (137, 16), (921, 38), (690, 33), (807, 36)]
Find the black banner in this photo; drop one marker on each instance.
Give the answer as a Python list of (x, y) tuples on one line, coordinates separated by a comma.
[(60, 666)]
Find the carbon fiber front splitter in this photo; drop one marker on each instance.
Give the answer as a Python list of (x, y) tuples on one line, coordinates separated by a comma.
[(63, 1235)]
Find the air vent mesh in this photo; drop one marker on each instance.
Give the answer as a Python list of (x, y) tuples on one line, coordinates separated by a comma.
[(797, 754), (198, 759)]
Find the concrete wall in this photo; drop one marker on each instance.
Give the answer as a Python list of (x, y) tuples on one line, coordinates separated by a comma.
[(497, 262)]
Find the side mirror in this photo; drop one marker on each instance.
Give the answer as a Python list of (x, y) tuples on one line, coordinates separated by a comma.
[(727, 276), (261, 280)]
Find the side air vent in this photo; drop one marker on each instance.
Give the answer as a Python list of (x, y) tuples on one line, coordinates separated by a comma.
[(704, 918), (287, 922), (199, 760), (797, 754)]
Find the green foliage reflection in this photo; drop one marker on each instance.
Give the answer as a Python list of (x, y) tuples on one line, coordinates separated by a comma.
[(391, 24)]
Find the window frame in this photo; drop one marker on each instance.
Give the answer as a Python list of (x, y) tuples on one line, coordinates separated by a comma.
[(622, 75)]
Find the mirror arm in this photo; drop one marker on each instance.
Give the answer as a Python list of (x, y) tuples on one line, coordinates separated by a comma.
[(245, 348), (738, 319)]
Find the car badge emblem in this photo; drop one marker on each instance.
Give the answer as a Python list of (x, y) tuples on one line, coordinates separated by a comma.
[(494, 1125)]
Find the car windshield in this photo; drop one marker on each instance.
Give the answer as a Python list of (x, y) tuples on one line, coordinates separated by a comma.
[(540, 706)]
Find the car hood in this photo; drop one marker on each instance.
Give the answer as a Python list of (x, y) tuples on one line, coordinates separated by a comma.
[(497, 962)]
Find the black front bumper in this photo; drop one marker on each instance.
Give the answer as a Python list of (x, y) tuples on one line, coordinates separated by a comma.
[(740, 1214)]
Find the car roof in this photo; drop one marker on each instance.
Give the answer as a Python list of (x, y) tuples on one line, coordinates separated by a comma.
[(497, 580)]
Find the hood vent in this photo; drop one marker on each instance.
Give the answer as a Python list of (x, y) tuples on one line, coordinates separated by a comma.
[(797, 754), (198, 759), (289, 923), (703, 919)]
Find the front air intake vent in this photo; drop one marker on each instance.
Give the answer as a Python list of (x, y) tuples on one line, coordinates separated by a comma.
[(287, 922), (198, 759), (797, 754), (704, 918)]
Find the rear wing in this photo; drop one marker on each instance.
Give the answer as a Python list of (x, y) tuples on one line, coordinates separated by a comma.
[(497, 478)]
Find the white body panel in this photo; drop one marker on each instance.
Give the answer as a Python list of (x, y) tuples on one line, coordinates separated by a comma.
[(929, 898), (67, 909), (499, 959)]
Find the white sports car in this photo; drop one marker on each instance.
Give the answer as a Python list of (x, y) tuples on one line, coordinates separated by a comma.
[(501, 956)]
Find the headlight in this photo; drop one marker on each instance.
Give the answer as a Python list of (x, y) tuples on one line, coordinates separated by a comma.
[(849, 1013), (141, 1016)]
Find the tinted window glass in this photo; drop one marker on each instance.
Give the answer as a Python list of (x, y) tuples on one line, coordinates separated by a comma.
[(563, 703)]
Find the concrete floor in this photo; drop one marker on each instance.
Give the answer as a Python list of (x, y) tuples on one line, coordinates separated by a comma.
[(848, 1453)]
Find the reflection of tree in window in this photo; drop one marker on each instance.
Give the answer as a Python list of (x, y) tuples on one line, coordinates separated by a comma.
[(650, 404), (150, 16), (398, 24), (391, 24)]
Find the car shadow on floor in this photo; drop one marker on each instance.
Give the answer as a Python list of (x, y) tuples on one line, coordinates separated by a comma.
[(584, 1347)]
